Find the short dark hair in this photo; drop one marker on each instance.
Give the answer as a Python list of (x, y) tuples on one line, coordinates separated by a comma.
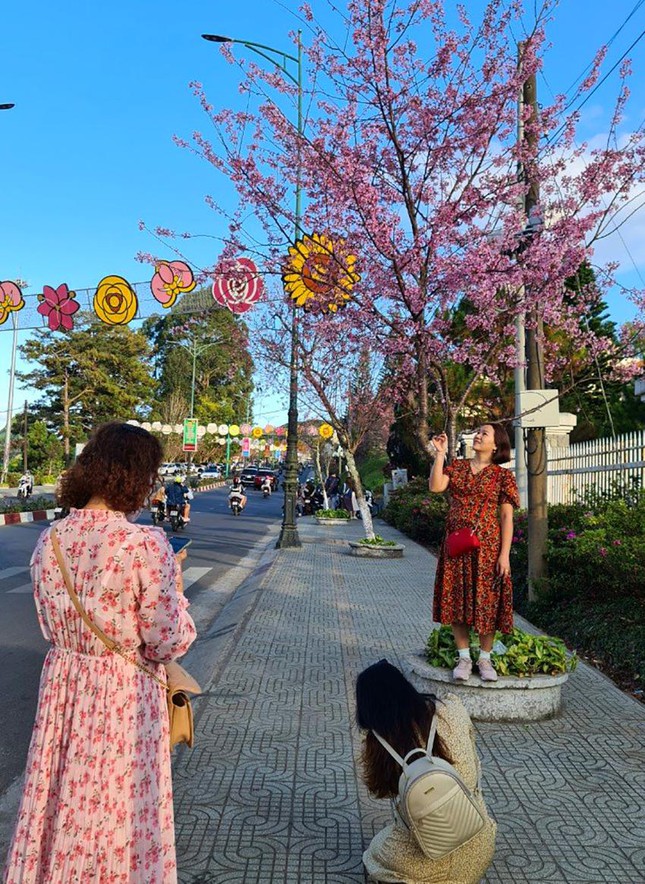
[(502, 444), (386, 702), (120, 464)]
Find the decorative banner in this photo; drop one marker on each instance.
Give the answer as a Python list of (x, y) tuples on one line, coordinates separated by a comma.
[(240, 288), (257, 432), (326, 431), (171, 278), (11, 299), (115, 301), (319, 274), (190, 434), (58, 306)]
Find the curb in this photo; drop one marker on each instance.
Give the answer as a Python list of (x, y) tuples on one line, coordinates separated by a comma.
[(48, 515)]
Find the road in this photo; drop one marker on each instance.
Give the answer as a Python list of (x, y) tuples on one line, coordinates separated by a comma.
[(211, 573)]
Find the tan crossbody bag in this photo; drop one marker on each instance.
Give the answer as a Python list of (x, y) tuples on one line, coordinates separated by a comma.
[(179, 684)]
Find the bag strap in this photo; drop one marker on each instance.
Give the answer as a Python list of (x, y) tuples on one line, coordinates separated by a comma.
[(395, 755), (109, 643), (432, 735), (482, 507)]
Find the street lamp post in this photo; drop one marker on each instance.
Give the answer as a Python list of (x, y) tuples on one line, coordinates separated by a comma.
[(289, 532)]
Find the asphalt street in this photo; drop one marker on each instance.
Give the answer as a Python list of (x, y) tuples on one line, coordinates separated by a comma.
[(211, 572)]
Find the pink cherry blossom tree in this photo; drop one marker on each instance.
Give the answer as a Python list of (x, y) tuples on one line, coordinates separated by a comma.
[(410, 153)]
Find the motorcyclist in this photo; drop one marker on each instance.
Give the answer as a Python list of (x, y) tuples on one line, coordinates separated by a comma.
[(27, 483), (178, 494), (158, 498), (267, 486), (237, 490)]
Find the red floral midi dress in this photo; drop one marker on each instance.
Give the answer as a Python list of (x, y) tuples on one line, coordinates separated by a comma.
[(466, 589)]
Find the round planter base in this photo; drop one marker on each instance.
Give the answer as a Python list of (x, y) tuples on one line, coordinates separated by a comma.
[(367, 551), (331, 521), (507, 699)]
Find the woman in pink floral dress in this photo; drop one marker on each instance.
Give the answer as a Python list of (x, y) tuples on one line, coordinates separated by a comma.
[(97, 801)]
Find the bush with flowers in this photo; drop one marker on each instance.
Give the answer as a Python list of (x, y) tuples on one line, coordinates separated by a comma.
[(418, 513)]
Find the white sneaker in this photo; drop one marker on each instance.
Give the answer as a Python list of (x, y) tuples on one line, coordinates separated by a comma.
[(463, 669)]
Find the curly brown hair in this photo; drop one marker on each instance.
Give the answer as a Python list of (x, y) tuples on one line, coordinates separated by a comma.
[(387, 703), (119, 464)]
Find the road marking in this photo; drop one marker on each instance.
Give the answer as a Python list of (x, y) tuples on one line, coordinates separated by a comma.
[(11, 572), (21, 590), (192, 575)]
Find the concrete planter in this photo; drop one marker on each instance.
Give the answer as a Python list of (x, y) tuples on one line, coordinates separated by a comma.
[(320, 521), (367, 551), (507, 699)]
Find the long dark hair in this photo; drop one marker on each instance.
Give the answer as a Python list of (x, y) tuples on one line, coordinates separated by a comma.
[(387, 703)]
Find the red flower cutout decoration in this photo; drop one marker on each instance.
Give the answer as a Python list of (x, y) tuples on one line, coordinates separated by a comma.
[(58, 306), (240, 288), (171, 278)]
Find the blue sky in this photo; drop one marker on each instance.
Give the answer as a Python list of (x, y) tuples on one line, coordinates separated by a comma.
[(100, 89)]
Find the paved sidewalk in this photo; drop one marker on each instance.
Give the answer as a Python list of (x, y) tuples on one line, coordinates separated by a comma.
[(271, 791)]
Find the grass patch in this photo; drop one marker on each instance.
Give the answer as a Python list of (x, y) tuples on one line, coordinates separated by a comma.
[(332, 514)]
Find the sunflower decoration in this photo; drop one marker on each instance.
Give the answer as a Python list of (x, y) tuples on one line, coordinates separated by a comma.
[(320, 274), (115, 301), (257, 432)]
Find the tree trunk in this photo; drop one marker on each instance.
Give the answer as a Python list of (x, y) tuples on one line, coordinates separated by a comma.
[(452, 434), (66, 442), (366, 515)]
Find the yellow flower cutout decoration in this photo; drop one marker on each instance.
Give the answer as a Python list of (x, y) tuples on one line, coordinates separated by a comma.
[(257, 432), (234, 430), (326, 431), (115, 301), (320, 274)]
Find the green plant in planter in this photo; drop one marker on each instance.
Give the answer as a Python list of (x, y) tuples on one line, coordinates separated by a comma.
[(332, 514), (377, 540), (525, 654)]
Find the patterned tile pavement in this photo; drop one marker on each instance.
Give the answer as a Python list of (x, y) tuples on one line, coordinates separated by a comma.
[(271, 794)]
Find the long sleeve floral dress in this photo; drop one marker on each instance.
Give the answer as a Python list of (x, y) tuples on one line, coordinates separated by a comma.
[(466, 588), (97, 801), (394, 854)]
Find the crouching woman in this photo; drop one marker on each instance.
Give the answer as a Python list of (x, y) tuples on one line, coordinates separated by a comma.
[(387, 703)]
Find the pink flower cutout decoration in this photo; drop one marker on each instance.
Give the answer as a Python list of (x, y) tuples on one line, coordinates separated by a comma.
[(58, 306), (240, 287), (172, 278), (11, 300)]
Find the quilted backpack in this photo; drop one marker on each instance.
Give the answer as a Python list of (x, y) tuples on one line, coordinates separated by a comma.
[(436, 803)]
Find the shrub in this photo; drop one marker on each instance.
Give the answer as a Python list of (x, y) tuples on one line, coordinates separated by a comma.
[(332, 514), (520, 653), (27, 506), (418, 513), (377, 540)]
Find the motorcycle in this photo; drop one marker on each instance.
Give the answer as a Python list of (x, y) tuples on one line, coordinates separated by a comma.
[(312, 502), (157, 512), (61, 512), (175, 516), (25, 488), (266, 492), (235, 504)]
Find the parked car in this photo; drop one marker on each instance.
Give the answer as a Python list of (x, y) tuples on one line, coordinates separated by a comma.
[(212, 471), (167, 469), (257, 482), (247, 477)]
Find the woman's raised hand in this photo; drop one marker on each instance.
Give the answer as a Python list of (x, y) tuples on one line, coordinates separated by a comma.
[(440, 443)]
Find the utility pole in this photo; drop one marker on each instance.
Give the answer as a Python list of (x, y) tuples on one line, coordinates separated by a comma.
[(536, 436), (24, 440), (520, 368)]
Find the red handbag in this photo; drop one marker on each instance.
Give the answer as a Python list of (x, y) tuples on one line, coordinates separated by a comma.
[(458, 543)]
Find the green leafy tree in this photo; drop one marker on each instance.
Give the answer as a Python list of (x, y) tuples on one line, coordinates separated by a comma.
[(198, 333), (90, 375)]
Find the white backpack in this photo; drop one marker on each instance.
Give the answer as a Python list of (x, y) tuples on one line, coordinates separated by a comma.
[(439, 807)]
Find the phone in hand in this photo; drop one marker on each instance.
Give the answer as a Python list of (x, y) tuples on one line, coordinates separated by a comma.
[(179, 543)]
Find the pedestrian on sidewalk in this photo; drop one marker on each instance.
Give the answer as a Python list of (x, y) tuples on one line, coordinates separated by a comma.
[(387, 703), (97, 799), (474, 590), (331, 490)]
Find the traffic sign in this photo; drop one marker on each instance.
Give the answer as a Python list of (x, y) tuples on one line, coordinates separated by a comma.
[(190, 434)]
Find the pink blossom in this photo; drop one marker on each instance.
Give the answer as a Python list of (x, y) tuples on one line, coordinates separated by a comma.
[(603, 551), (58, 306)]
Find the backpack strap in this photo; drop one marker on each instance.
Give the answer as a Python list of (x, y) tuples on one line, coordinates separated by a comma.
[(432, 735), (388, 748)]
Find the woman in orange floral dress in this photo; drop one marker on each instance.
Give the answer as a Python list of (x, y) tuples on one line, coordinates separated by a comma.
[(474, 591)]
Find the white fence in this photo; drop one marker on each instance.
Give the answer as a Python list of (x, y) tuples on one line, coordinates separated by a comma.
[(599, 466)]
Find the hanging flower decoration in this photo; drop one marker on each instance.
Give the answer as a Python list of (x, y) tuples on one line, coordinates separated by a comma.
[(281, 431), (326, 431), (257, 432), (240, 287), (115, 301), (58, 306), (319, 274), (234, 430), (312, 431), (269, 430), (172, 278), (245, 429), (11, 299)]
